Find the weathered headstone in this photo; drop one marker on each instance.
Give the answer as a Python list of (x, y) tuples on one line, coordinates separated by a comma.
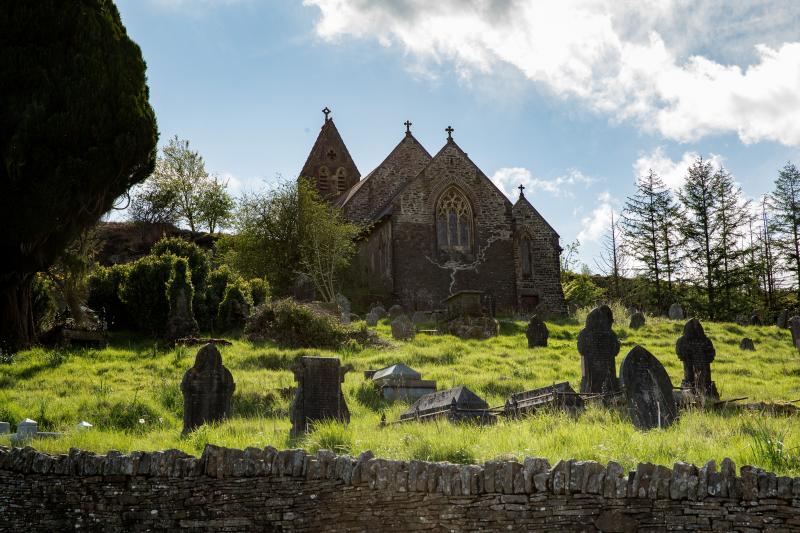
[(755, 320), (379, 311), (5, 428), (403, 329), (372, 318), (420, 317), (697, 352), (536, 332), (344, 308), (648, 390), (637, 320), (598, 346), (464, 303), (181, 322), (794, 328), (319, 393), (783, 319), (207, 389), (747, 345), (675, 311), (27, 429), (395, 311), (401, 382), (457, 403)]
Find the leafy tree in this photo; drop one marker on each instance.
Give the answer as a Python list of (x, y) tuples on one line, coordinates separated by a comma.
[(154, 203), (180, 174), (76, 132), (786, 220), (70, 274), (215, 204)]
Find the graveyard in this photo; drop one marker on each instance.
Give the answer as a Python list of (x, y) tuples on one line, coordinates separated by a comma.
[(130, 393)]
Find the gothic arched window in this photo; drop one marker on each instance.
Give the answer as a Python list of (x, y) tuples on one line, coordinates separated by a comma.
[(454, 222), (340, 178), (525, 257), (322, 180)]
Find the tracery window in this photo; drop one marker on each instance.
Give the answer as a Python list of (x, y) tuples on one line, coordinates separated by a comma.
[(454, 222), (340, 179), (322, 180)]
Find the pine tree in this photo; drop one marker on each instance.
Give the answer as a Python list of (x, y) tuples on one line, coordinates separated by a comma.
[(731, 216), (786, 220)]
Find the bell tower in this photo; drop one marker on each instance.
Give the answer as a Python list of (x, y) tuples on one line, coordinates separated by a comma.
[(329, 165)]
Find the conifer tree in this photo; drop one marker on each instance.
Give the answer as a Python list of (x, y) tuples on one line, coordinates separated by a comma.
[(731, 215), (786, 220)]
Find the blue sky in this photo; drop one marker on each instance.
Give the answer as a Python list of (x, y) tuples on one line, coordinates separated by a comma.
[(572, 99)]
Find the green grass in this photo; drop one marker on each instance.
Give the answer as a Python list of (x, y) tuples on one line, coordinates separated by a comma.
[(130, 392)]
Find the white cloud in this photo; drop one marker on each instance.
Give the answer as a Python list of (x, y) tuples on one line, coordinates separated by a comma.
[(234, 183), (508, 179), (672, 172), (599, 221), (655, 63)]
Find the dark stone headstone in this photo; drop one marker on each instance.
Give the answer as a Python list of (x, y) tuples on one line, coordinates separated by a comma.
[(747, 345), (794, 328), (637, 320), (319, 393), (207, 389), (395, 311), (460, 397), (598, 346), (372, 318), (181, 322), (648, 390), (697, 352), (537, 332), (403, 329), (675, 311), (754, 320), (379, 311), (783, 319)]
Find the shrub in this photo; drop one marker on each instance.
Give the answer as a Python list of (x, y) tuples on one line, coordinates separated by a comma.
[(199, 264), (43, 305), (104, 295), (259, 290), (290, 323), (234, 307), (144, 292), (181, 321), (218, 281)]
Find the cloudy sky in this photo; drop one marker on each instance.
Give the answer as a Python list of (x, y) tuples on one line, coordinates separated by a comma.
[(572, 99)]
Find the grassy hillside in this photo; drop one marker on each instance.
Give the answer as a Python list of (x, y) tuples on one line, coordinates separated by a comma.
[(130, 392)]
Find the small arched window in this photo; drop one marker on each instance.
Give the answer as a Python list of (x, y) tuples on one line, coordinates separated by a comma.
[(525, 257), (323, 179), (340, 179), (454, 222)]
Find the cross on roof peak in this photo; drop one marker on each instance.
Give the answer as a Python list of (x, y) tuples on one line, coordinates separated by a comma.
[(327, 112), (521, 189), (449, 130), (407, 124)]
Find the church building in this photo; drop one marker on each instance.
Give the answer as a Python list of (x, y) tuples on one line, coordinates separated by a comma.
[(436, 225)]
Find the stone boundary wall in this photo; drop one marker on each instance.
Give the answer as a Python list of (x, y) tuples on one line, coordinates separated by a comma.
[(270, 490)]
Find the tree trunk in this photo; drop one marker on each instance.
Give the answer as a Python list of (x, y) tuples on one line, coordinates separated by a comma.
[(16, 315)]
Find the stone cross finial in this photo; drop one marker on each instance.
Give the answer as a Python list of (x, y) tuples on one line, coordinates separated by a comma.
[(521, 189), (407, 124), (449, 130), (327, 112)]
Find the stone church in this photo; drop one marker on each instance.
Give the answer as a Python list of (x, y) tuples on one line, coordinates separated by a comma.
[(437, 225)]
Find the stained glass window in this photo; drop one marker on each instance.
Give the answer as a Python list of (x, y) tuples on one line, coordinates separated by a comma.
[(454, 221)]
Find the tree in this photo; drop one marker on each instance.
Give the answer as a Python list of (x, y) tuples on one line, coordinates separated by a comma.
[(76, 132), (154, 203), (613, 259), (215, 204), (732, 216), (181, 172), (786, 220), (700, 225)]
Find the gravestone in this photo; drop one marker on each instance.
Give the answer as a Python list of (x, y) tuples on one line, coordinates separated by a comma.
[(372, 318), (676, 311), (319, 393), (754, 320), (420, 317), (697, 352), (536, 332), (794, 328), (207, 389), (648, 390), (344, 308), (399, 382), (747, 345), (458, 402), (403, 329), (379, 311), (27, 429), (464, 304), (555, 396), (395, 311), (637, 320), (598, 346), (783, 319)]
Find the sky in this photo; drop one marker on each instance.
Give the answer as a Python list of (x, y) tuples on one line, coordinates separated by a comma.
[(572, 99)]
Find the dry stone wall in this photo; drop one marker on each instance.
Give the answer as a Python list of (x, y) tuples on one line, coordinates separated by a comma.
[(289, 490)]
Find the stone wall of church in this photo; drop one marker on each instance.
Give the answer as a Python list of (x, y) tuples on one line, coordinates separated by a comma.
[(545, 279), (418, 262), (269, 490), (374, 260)]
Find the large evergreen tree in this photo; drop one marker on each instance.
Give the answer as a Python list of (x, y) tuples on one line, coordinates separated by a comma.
[(786, 219), (76, 132)]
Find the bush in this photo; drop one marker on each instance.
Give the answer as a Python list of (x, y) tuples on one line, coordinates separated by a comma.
[(234, 307), (259, 290), (580, 291), (104, 295), (290, 323), (144, 292), (218, 281), (199, 264), (43, 305)]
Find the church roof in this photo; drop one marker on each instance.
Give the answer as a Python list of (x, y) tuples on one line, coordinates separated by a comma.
[(328, 147), (522, 203)]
